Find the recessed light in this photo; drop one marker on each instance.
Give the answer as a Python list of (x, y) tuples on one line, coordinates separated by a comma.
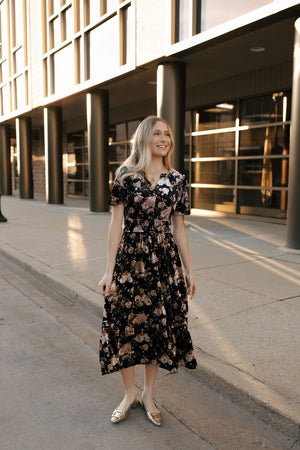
[(257, 49)]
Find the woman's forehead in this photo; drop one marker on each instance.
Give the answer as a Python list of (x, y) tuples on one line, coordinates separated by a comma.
[(161, 126)]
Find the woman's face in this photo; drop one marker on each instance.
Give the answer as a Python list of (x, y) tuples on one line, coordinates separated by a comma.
[(160, 142)]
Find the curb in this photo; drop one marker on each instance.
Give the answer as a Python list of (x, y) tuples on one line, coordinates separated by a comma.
[(265, 403)]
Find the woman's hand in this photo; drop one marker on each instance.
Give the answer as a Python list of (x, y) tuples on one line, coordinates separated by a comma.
[(105, 283), (191, 285)]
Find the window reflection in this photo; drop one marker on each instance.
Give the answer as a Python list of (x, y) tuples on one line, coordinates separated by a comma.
[(222, 115), (267, 109), (213, 172), (213, 199), (221, 144)]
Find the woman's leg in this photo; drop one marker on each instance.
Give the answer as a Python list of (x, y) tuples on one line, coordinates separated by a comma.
[(128, 376), (149, 381)]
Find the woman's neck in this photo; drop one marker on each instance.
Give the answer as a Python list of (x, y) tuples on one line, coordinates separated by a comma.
[(156, 165)]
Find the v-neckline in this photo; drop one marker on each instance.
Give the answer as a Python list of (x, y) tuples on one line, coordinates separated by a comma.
[(160, 176)]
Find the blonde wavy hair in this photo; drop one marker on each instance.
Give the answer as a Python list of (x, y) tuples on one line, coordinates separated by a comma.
[(140, 156)]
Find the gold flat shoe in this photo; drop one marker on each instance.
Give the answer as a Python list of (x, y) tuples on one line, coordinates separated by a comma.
[(153, 417), (118, 416)]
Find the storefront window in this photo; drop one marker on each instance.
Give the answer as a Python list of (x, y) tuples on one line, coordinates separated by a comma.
[(217, 144), (213, 172), (267, 109), (258, 141), (251, 156), (77, 165), (267, 203), (213, 199), (222, 115)]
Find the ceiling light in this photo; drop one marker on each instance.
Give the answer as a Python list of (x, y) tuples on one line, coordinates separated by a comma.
[(257, 49), (225, 106)]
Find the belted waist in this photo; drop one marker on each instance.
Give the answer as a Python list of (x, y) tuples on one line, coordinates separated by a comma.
[(145, 225)]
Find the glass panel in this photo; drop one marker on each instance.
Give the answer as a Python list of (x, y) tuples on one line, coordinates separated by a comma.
[(3, 30), (263, 203), (186, 146), (20, 91), (118, 152), (104, 59), (222, 115), (56, 5), (4, 68), (75, 188), (121, 134), (260, 141), (132, 126), (221, 144), (112, 5), (128, 27), (86, 189), (64, 70), (213, 172), (55, 32), (263, 172), (85, 156), (187, 122), (68, 25), (185, 19), (5, 99), (268, 109), (19, 60), (18, 35), (217, 12), (213, 199), (76, 139), (94, 10), (112, 172)]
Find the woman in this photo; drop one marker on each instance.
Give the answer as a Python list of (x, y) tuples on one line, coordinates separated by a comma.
[(145, 311)]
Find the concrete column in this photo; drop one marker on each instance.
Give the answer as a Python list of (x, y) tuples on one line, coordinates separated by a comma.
[(171, 104), (53, 155), (5, 164), (24, 149), (98, 127), (293, 213)]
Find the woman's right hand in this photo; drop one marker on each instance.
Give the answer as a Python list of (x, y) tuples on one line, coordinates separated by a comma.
[(105, 283)]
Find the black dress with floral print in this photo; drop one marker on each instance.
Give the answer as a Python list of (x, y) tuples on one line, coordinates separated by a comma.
[(145, 313)]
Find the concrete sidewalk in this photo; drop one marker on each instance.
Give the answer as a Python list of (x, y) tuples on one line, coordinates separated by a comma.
[(244, 321)]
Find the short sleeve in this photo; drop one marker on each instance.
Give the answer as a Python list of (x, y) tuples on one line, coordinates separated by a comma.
[(182, 206), (118, 192)]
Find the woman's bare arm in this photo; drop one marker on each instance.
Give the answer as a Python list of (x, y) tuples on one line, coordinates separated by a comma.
[(113, 241), (181, 240)]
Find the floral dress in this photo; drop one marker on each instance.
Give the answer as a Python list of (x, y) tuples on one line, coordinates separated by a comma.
[(145, 313)]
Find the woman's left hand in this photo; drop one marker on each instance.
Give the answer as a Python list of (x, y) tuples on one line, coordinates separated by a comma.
[(191, 285)]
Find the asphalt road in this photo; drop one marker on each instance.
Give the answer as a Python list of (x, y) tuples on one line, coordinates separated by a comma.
[(54, 397)]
